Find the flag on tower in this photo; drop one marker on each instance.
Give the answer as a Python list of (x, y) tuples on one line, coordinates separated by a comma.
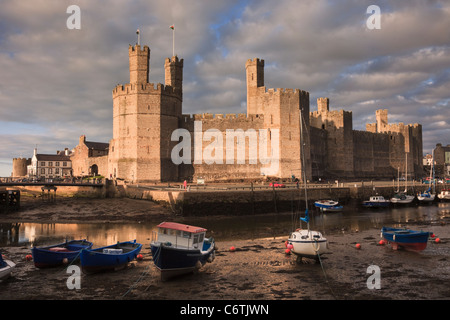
[(172, 27)]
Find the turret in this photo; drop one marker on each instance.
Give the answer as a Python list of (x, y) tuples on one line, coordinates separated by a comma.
[(255, 79), (139, 64), (174, 73)]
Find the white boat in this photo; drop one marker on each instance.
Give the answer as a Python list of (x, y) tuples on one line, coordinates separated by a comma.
[(402, 198), (328, 205), (6, 266), (444, 194), (308, 243), (305, 242), (427, 196), (376, 202)]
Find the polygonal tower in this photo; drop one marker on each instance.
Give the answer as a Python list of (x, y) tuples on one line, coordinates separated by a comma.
[(144, 117)]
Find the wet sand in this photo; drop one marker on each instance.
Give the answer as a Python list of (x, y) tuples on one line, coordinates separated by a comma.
[(258, 269)]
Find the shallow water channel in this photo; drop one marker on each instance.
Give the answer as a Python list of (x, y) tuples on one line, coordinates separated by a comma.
[(352, 218)]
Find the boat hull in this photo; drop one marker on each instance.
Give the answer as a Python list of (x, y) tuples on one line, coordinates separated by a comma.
[(6, 269), (173, 261), (96, 260), (426, 197), (59, 254), (328, 206), (373, 204), (307, 243), (402, 199), (404, 238)]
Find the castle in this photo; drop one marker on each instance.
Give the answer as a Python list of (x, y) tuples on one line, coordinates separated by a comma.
[(149, 129)]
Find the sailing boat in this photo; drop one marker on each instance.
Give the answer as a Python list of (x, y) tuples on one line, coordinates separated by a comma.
[(306, 242), (402, 197), (427, 196)]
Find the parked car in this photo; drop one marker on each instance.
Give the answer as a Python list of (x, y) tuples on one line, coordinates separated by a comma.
[(277, 185)]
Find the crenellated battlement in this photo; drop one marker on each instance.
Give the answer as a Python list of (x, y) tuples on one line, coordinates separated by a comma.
[(148, 88), (254, 61), (284, 92), (137, 48), (229, 117)]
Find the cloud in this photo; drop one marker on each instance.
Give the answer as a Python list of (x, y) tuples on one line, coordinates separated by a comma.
[(56, 83)]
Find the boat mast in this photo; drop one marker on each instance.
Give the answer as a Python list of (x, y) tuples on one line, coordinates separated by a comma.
[(302, 156)]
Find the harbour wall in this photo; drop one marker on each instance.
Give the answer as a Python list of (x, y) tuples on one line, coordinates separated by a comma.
[(246, 201), (228, 200)]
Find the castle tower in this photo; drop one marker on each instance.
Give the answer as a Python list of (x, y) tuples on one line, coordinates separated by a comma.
[(174, 73), (382, 119), (144, 117), (323, 105), (139, 64), (255, 82)]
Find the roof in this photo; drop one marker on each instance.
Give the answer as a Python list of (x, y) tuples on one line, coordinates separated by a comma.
[(182, 227), (97, 145), (52, 157)]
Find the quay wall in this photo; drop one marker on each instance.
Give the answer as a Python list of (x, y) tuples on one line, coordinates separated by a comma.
[(244, 201), (237, 201)]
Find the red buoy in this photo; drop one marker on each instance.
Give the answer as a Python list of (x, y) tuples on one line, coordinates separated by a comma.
[(437, 240), (358, 246), (139, 257), (287, 251), (232, 249), (381, 242), (28, 257)]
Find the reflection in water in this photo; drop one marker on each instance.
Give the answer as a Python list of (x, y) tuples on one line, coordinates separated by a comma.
[(353, 218)]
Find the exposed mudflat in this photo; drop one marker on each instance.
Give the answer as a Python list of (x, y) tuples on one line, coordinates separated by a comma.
[(258, 269)]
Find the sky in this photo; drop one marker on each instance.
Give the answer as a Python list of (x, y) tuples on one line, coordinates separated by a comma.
[(56, 82)]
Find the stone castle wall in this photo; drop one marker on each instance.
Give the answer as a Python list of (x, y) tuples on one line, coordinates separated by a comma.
[(145, 115)]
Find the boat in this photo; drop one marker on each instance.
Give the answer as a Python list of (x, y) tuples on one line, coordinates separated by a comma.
[(405, 238), (179, 249), (6, 267), (59, 254), (403, 198), (444, 194), (427, 196), (328, 205), (109, 258), (376, 202), (305, 242)]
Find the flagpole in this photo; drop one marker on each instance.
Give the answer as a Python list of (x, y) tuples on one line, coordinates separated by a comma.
[(139, 37), (173, 41)]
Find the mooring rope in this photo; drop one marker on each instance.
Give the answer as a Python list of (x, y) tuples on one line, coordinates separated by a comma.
[(325, 274), (144, 273)]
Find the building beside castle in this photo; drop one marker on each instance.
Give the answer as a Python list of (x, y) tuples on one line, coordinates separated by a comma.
[(151, 135)]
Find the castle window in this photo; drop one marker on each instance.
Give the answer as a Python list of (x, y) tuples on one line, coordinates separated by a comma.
[(323, 126), (50, 164), (57, 163), (64, 164), (43, 163), (271, 119)]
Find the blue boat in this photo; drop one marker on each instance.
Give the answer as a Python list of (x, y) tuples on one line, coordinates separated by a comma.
[(180, 249), (404, 238), (109, 258), (328, 205), (59, 254), (376, 202)]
